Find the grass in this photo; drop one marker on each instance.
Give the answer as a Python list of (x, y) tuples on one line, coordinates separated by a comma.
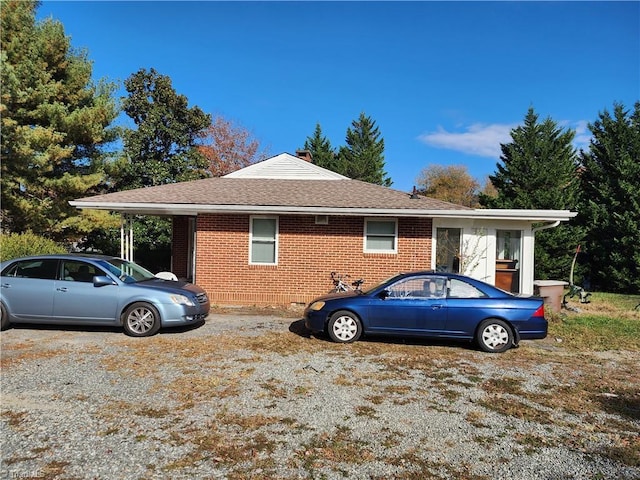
[(609, 322)]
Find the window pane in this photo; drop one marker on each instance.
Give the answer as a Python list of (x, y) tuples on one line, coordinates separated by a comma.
[(264, 228), (381, 228), (380, 243), (44, 269), (460, 289), (263, 252)]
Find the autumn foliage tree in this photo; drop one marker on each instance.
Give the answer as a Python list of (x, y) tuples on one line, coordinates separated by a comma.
[(229, 147), (451, 183)]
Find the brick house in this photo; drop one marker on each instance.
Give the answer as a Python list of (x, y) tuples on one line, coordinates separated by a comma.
[(271, 233)]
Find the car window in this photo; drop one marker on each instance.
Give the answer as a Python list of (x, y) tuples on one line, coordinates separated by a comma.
[(126, 271), (39, 268), (461, 289), (419, 287), (78, 271)]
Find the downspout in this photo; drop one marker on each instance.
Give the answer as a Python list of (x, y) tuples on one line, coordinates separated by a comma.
[(544, 227)]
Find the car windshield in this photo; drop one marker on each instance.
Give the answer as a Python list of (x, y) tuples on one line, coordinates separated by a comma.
[(126, 271), (379, 284)]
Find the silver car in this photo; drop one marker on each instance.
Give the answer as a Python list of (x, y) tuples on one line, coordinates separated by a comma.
[(96, 290)]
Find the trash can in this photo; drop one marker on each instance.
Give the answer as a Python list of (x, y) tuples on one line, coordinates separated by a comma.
[(552, 292)]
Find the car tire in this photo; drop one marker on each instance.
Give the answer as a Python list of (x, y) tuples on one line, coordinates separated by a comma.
[(141, 320), (4, 318), (344, 327), (494, 336)]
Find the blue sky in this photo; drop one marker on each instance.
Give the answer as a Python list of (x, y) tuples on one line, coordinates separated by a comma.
[(444, 81)]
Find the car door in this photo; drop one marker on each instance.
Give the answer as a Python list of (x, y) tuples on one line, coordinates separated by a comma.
[(467, 307), (27, 288), (78, 300), (410, 307)]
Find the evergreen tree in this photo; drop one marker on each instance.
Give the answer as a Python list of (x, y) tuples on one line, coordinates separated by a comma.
[(363, 156), (164, 146), (322, 154), (162, 149), (610, 203), (55, 128), (539, 171)]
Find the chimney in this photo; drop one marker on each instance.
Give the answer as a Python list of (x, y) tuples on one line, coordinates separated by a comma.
[(304, 155)]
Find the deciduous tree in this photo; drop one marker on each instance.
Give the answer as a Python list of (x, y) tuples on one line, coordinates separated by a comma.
[(55, 127), (229, 147), (610, 199), (449, 183)]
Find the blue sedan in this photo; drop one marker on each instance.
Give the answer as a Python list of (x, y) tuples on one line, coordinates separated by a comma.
[(96, 290), (430, 304)]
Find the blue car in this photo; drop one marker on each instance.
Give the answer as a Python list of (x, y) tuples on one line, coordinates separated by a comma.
[(96, 290), (431, 304)]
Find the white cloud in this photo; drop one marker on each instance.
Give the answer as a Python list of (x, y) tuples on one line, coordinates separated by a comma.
[(479, 139), (583, 135)]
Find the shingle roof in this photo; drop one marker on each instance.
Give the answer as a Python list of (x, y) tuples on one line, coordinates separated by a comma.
[(285, 184), (249, 192)]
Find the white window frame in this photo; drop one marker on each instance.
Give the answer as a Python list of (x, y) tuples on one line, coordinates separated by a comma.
[(275, 240), (395, 235)]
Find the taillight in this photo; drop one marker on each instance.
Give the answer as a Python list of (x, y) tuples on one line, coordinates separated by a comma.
[(539, 312)]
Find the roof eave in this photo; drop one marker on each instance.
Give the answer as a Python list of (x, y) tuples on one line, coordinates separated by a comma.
[(191, 209)]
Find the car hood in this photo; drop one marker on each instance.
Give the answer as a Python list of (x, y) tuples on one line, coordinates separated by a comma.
[(171, 286), (334, 296)]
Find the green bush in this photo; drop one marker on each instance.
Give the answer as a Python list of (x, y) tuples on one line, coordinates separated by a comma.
[(13, 245)]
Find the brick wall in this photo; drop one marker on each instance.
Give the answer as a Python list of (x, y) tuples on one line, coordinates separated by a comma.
[(307, 254)]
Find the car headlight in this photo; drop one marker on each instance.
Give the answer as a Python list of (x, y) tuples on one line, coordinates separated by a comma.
[(182, 300), (316, 306)]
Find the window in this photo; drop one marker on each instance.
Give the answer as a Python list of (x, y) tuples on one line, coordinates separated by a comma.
[(508, 245), (380, 236), (77, 271), (448, 249), (419, 288), (460, 289), (42, 269), (264, 241)]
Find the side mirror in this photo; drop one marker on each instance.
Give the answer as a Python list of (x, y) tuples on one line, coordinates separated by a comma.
[(102, 280), (382, 294)]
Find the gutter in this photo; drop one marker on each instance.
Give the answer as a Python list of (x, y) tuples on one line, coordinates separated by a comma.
[(190, 209)]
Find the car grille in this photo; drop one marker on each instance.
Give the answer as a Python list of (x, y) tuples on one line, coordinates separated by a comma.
[(202, 298)]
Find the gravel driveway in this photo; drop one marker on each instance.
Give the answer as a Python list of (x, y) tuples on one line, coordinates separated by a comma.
[(254, 396)]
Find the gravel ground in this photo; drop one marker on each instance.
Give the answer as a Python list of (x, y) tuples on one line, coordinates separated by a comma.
[(254, 396)]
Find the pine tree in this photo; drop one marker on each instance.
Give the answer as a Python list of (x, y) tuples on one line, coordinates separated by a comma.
[(322, 154), (55, 127), (539, 171), (610, 200), (363, 156)]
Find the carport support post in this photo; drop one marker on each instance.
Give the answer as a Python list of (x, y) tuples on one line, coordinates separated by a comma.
[(126, 237)]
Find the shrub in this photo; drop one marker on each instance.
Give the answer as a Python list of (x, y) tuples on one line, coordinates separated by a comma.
[(13, 245)]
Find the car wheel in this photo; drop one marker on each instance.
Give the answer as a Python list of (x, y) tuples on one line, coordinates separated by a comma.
[(141, 320), (494, 336), (4, 321), (344, 327)]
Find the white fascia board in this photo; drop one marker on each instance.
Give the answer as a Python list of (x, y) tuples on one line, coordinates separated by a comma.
[(190, 209)]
